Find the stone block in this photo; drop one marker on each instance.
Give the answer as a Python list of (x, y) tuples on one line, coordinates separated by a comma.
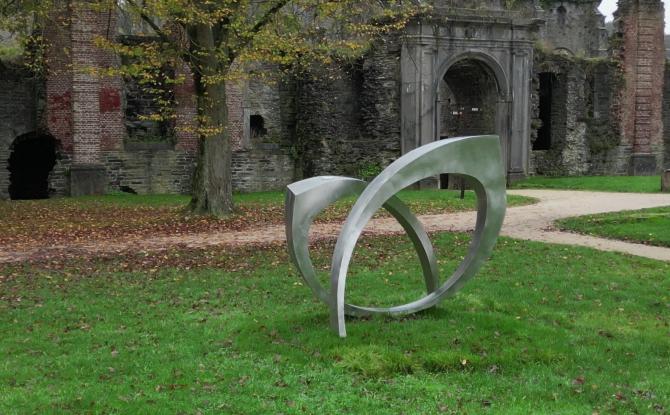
[(643, 165), (665, 181), (87, 179)]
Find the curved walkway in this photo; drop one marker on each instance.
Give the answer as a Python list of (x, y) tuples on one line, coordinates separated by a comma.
[(531, 222)]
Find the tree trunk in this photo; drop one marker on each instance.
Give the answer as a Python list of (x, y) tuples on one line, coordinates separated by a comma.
[(212, 185)]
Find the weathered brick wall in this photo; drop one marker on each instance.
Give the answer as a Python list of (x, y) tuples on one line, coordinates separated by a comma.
[(186, 113), (345, 119), (643, 55), (112, 126), (86, 126), (85, 112), (666, 116), (58, 107), (235, 105), (609, 153), (262, 169)]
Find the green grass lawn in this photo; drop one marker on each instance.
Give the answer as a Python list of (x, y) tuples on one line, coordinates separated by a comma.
[(542, 329), (633, 184), (63, 220), (648, 226)]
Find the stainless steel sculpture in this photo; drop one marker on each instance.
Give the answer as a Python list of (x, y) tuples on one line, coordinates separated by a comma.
[(477, 158)]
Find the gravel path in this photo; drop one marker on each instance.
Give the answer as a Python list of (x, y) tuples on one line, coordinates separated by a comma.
[(532, 222)]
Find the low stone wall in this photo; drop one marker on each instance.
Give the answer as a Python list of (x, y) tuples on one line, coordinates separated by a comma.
[(150, 170), (262, 169)]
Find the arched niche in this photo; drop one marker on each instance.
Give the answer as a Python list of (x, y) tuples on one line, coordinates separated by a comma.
[(31, 160), (471, 95)]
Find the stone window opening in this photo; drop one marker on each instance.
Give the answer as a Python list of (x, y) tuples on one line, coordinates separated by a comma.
[(547, 84), (32, 157), (562, 15), (257, 126)]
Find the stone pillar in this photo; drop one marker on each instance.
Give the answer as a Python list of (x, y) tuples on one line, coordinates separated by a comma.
[(91, 115), (665, 181), (418, 96), (58, 119), (643, 55), (186, 112), (519, 145)]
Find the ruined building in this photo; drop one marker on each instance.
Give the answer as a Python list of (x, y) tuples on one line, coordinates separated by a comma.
[(565, 95)]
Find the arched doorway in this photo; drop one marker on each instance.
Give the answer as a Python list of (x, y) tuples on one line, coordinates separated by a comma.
[(472, 100), (467, 100), (32, 157)]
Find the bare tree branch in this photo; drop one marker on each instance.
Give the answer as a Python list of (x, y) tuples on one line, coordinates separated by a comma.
[(147, 19), (265, 19)]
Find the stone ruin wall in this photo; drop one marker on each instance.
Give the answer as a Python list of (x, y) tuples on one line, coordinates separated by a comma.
[(86, 115), (642, 53), (666, 117), (613, 115), (585, 137), (576, 28), (346, 119), (263, 155), (18, 114)]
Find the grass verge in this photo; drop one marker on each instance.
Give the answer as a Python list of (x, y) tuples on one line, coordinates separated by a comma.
[(646, 226), (633, 184), (542, 329)]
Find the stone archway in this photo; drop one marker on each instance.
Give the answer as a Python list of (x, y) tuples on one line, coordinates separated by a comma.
[(500, 55), (471, 98), (32, 157)]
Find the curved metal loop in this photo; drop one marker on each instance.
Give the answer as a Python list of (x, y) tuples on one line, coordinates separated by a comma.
[(306, 198), (479, 159)]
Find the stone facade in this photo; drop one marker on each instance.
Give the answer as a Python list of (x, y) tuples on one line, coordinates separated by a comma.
[(612, 120), (349, 117), (583, 114), (564, 98), (18, 114), (262, 125), (575, 28)]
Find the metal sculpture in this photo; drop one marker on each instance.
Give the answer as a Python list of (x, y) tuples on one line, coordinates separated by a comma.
[(478, 159)]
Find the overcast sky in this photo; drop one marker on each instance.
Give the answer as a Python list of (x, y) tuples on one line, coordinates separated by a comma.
[(607, 7)]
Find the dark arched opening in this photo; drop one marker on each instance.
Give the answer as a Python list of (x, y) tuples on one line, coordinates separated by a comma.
[(547, 98), (562, 13), (257, 126), (468, 100), (32, 158), (468, 97)]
